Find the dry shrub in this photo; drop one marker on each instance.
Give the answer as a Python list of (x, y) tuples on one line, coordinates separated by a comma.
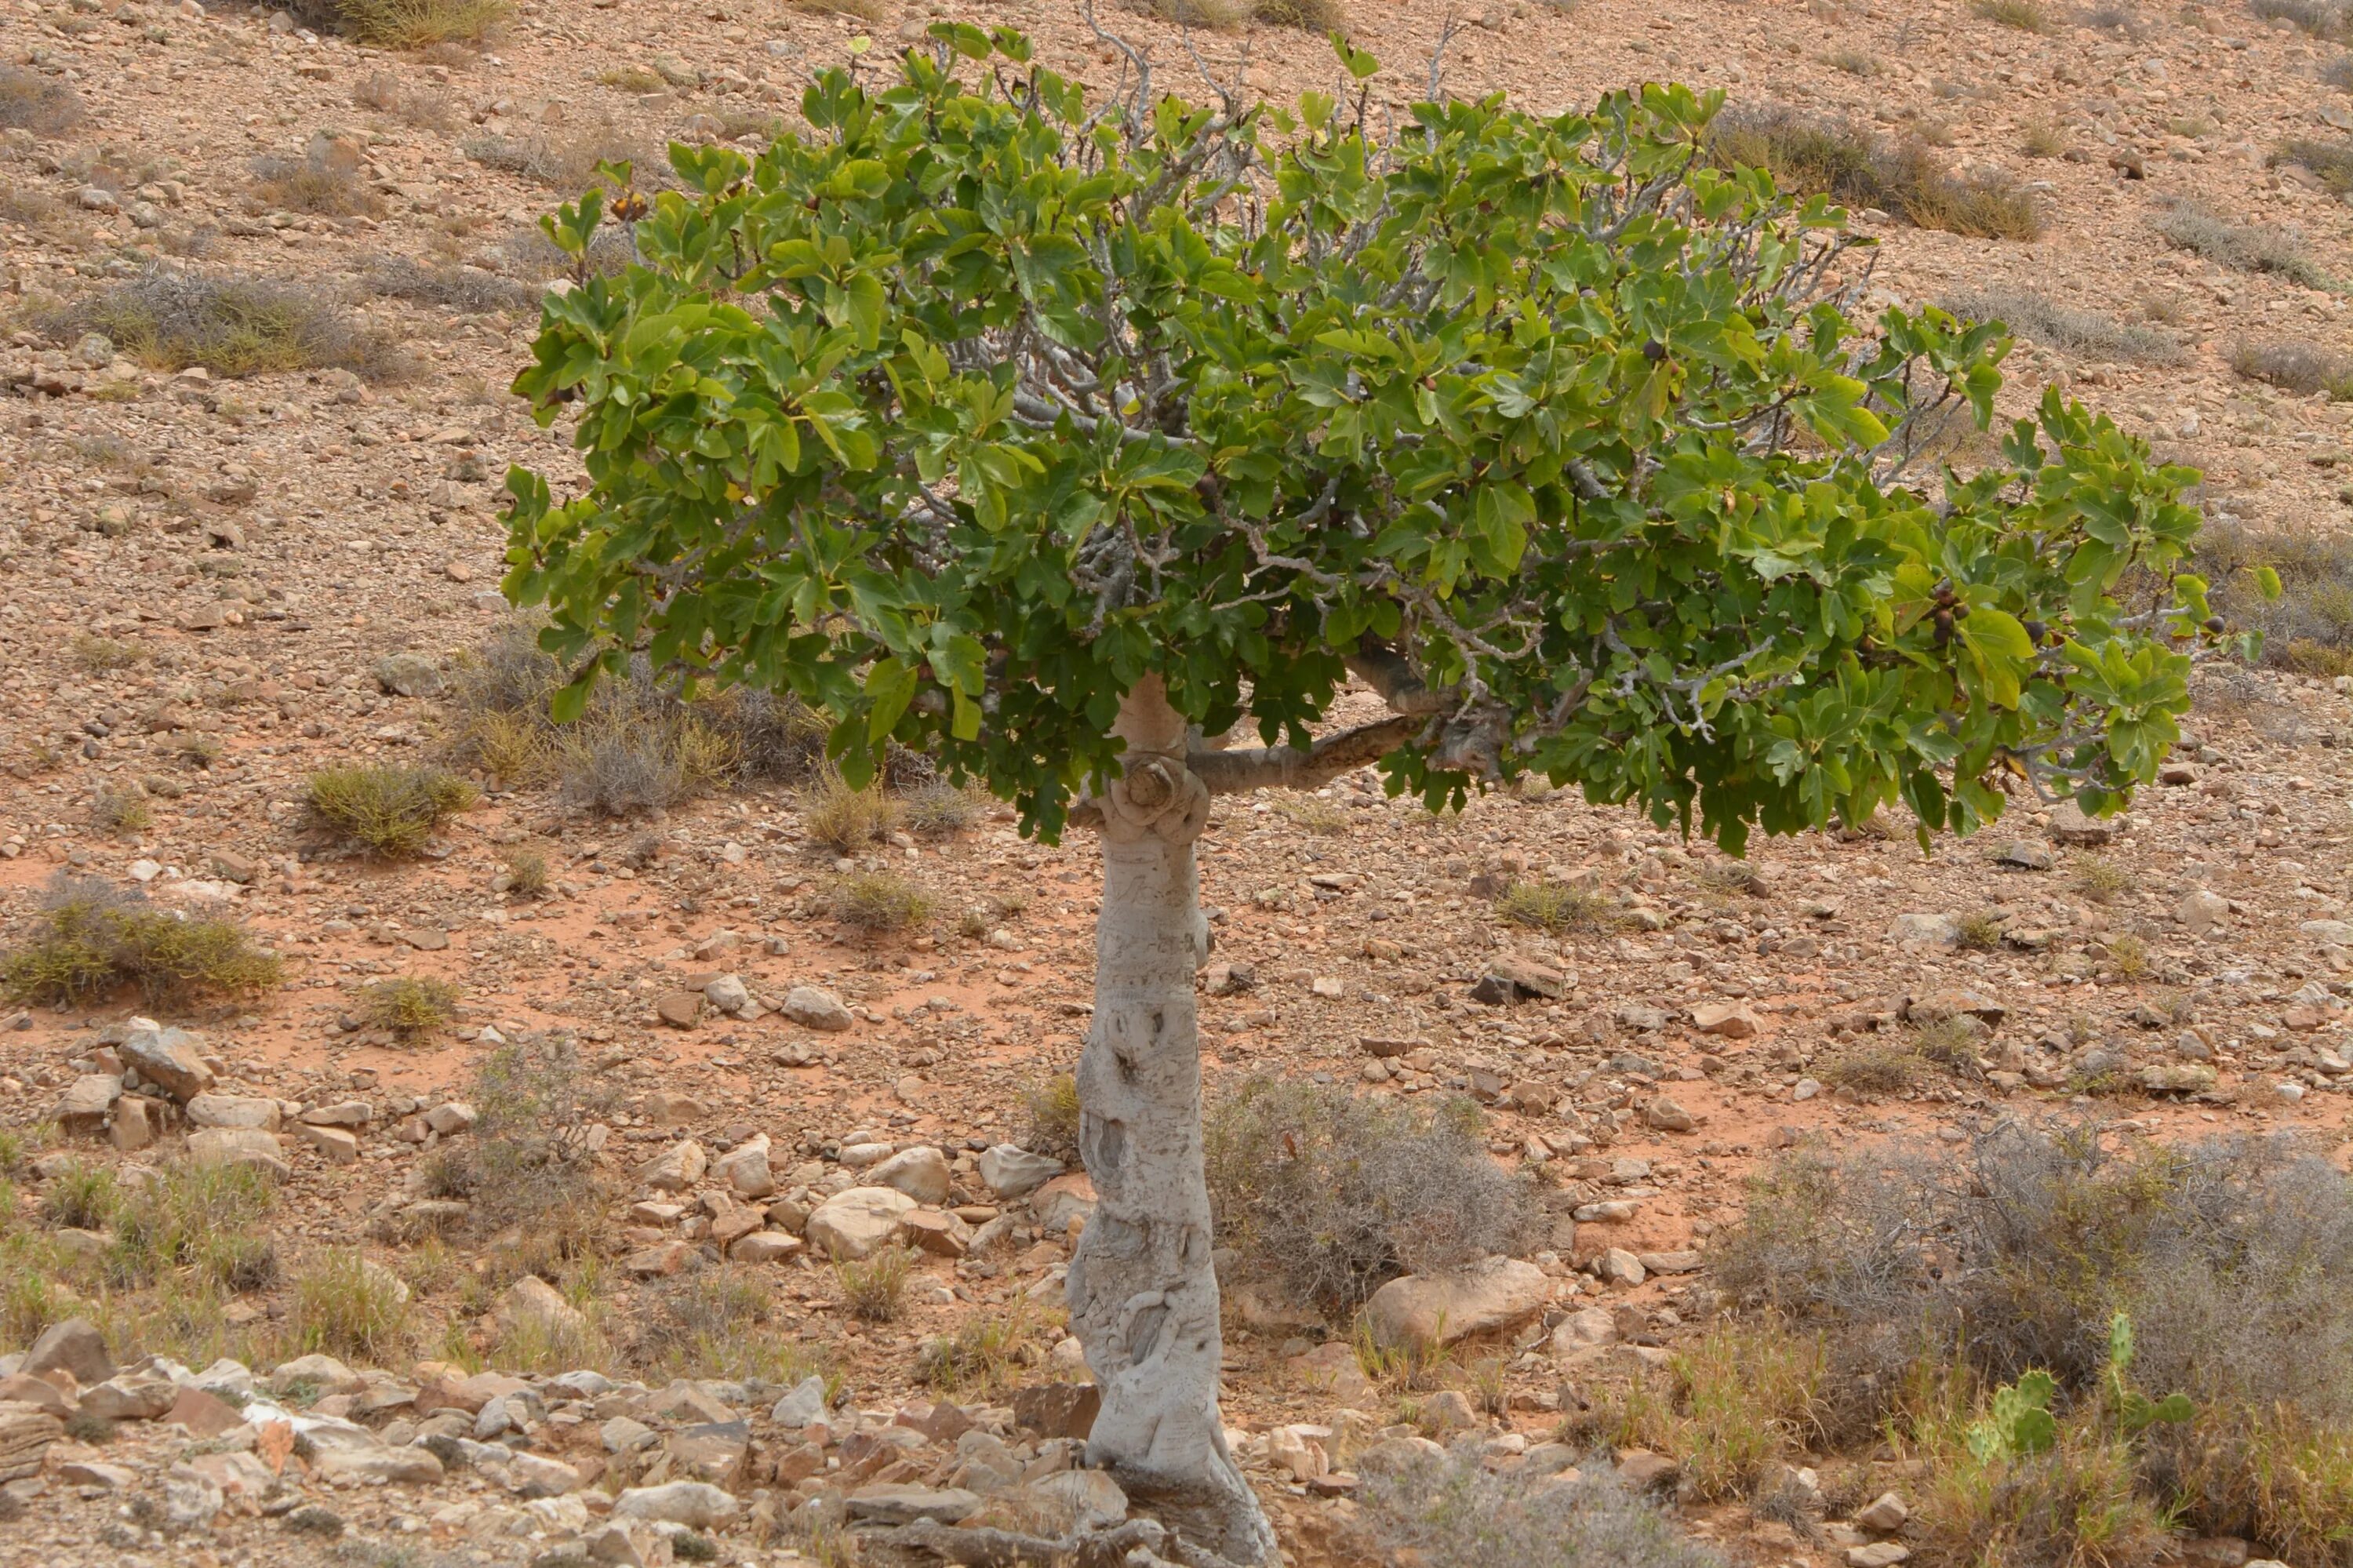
[(2245, 247), (1810, 156), (566, 163), (2321, 18), (2064, 327), (723, 1323), (466, 289), (864, 10), (1454, 1512), (1333, 1195), (232, 324), (529, 1165), (1956, 1274), (2309, 628), (1873, 1068), (327, 180), (2026, 16), (411, 24), (637, 747), (31, 102), (390, 812), (940, 809), (92, 938), (985, 1354), (2295, 365)]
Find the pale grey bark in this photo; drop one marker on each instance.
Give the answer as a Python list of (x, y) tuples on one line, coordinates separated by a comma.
[(1142, 1292)]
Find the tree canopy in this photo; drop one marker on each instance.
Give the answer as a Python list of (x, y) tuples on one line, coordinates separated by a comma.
[(962, 411)]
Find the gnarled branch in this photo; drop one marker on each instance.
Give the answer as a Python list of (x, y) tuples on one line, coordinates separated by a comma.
[(1298, 767)]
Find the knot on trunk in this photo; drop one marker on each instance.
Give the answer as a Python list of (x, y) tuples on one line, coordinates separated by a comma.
[(1158, 796)]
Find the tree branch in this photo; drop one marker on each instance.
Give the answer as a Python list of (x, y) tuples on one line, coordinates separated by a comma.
[(1392, 674), (1298, 767)]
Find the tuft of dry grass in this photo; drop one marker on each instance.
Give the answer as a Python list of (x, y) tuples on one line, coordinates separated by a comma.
[(233, 325), (352, 1308), (1873, 1068), (466, 289), (875, 1287), (880, 901), (122, 813), (31, 102), (1053, 1107), (847, 821), (1809, 155), (2321, 18)]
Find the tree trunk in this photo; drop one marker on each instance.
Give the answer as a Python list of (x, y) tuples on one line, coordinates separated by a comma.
[(1142, 1292)]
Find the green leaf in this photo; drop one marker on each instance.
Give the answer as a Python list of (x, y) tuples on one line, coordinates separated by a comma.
[(2267, 582), (1358, 64)]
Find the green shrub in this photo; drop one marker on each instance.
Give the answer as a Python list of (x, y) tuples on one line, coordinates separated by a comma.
[(409, 1006), (81, 1197), (348, 1307), (92, 940), (204, 1220), (1332, 1195), (388, 811), (1548, 906)]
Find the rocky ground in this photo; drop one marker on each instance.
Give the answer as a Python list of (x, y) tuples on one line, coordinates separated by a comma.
[(214, 587)]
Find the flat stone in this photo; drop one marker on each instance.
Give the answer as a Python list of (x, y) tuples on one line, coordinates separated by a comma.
[(893, 1502), (1667, 1115), (656, 1262), (93, 1473), (679, 1008), (764, 1246), (2069, 825), (746, 1170), (240, 1145), (321, 1373), (168, 1057), (73, 1346), (1510, 977), (1334, 1370), (25, 1434), (1618, 1266), (21, 1388), (1011, 1172), (698, 1505), (340, 1147), (341, 1113), (1955, 1002), (235, 1110), (1885, 1514), (138, 1122), (1878, 1555), (935, 1231), (378, 1466), (1929, 930), (675, 1169), (2026, 855), (409, 675), (858, 1222), (129, 1396), (1058, 1409), (82, 1108), (2336, 933), (2201, 911), (712, 1451), (1056, 1506), (534, 1302), (1683, 1261), (812, 1007), (1731, 1020), (1065, 1198), (536, 1475), (921, 1173), (203, 1412), (1496, 1293)]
